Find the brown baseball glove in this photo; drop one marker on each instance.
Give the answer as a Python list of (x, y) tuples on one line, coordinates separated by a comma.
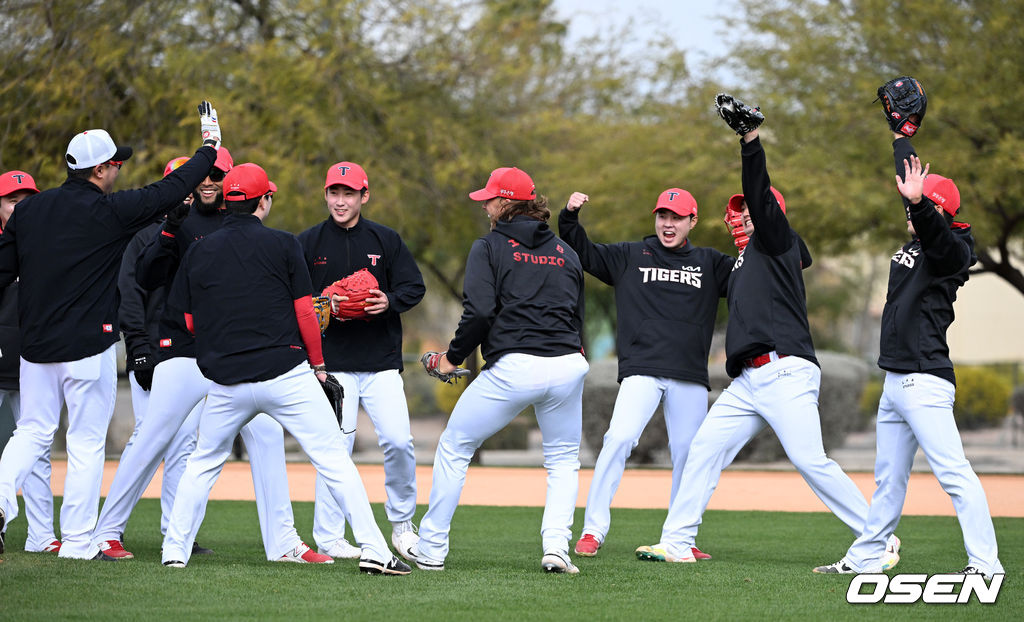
[(356, 287)]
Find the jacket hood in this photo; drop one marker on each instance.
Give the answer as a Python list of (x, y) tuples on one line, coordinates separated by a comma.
[(525, 230)]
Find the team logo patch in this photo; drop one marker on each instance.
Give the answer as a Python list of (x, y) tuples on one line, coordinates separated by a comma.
[(108, 328), (558, 247), (373, 259), (165, 343), (320, 260)]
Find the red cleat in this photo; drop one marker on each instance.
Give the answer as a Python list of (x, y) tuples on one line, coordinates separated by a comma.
[(114, 548), (698, 554), (53, 547), (302, 554), (587, 546)]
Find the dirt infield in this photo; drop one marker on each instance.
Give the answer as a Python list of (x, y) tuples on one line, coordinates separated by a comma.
[(641, 488)]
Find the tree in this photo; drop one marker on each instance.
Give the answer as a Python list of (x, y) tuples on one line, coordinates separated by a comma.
[(814, 66)]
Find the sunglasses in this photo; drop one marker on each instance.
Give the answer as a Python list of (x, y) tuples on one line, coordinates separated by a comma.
[(216, 175), (116, 163)]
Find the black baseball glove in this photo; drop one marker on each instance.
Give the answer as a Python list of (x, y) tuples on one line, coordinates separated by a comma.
[(904, 103), (742, 118), (430, 361), (335, 395)]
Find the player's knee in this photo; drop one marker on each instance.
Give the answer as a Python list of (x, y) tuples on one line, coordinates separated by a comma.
[(618, 441)]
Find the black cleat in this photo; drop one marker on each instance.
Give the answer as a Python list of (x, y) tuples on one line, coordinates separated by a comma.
[(103, 557), (200, 550), (394, 567), (173, 563), (3, 521)]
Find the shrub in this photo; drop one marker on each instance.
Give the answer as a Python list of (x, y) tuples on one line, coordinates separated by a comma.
[(982, 397), (870, 397)]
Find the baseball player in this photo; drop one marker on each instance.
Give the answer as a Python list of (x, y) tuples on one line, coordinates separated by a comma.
[(65, 247), (258, 356), (365, 354), (168, 431), (916, 408), (666, 299), (771, 359), (15, 186), (523, 305)]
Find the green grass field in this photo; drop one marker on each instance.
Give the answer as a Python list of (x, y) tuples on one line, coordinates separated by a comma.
[(761, 570)]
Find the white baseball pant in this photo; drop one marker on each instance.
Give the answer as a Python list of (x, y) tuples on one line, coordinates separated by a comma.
[(917, 410), (554, 387), (175, 404), (382, 396), (178, 451), (89, 387), (35, 489), (784, 395), (297, 402), (686, 405)]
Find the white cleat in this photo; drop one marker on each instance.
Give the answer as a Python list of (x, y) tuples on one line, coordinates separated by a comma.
[(559, 562), (404, 538), (341, 549)]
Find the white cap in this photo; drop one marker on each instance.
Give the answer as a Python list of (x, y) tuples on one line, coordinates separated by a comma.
[(93, 147)]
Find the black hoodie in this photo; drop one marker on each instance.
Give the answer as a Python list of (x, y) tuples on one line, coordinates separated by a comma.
[(665, 300), (523, 292), (923, 278)]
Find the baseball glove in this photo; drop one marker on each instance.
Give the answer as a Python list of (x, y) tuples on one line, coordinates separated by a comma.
[(322, 307), (430, 361), (335, 394), (356, 287), (742, 118), (904, 103)]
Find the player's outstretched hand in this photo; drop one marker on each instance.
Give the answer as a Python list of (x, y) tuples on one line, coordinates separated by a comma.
[(912, 185), (209, 126), (576, 201)]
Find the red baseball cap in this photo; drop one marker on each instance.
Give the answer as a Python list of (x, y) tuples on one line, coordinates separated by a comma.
[(247, 181), (736, 201), (507, 182), (943, 192), (174, 163), (347, 174), (14, 181), (678, 201), (224, 161)]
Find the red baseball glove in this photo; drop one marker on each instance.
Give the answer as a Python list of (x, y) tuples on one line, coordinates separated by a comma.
[(356, 287)]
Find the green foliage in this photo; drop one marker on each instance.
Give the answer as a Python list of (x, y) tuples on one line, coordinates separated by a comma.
[(982, 397), (870, 397), (814, 67), (761, 568), (430, 95)]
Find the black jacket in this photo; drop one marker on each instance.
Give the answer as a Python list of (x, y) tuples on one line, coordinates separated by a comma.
[(665, 300), (10, 339), (523, 292), (155, 268), (66, 245), (240, 284), (767, 299), (924, 276), (332, 253), (140, 308)]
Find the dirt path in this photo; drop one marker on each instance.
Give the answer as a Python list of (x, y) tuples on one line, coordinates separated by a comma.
[(641, 488)]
